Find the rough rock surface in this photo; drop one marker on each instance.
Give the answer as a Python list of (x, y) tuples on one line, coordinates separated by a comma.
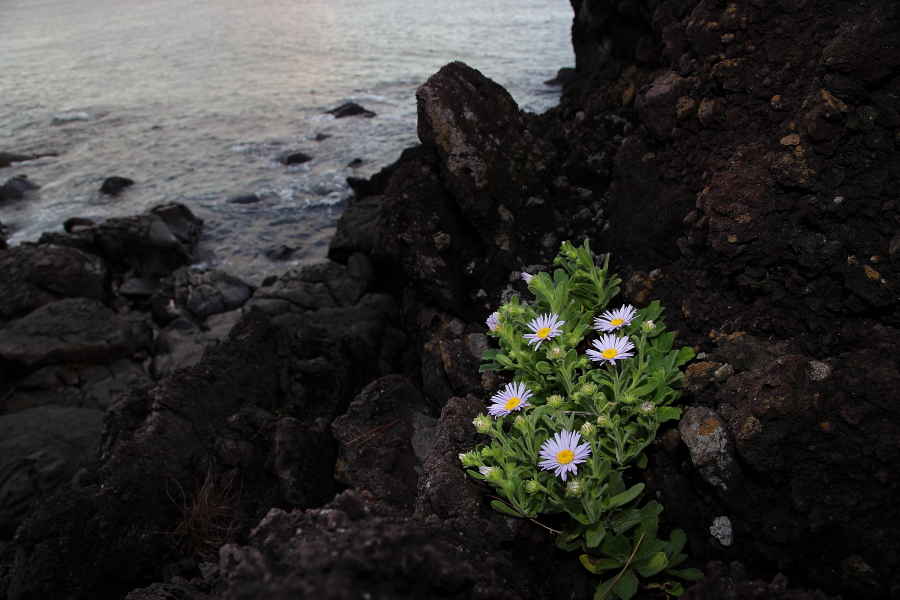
[(40, 451), (197, 295), (251, 421), (74, 330), (34, 275), (154, 244), (386, 434), (355, 229)]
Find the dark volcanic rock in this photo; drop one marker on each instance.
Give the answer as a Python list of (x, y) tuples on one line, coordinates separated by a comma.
[(385, 435), (295, 158), (355, 229), (732, 582), (2, 236), (15, 188), (249, 422), (40, 451), (199, 293), (154, 244), (74, 330), (7, 158), (375, 185), (350, 109), (34, 275), (114, 185)]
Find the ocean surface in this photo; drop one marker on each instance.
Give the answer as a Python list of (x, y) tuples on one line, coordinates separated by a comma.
[(196, 101)]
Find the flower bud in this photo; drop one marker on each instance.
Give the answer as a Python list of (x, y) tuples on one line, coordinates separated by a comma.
[(587, 429), (574, 487), (482, 424), (470, 459), (647, 408), (555, 400), (487, 452), (648, 326), (628, 398), (520, 423), (532, 486), (588, 389), (602, 421), (487, 471), (556, 352)]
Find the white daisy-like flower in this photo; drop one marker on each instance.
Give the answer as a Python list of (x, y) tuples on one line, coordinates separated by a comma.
[(493, 321), (527, 277), (611, 348), (486, 471), (615, 319), (544, 328), (562, 453), (513, 397)]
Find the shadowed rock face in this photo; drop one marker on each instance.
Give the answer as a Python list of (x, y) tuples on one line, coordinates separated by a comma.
[(253, 414)]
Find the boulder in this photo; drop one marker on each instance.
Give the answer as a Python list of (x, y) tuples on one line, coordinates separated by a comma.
[(16, 187), (198, 294), (246, 428), (182, 344), (154, 244), (355, 229), (40, 451), (34, 275), (8, 158), (114, 185), (385, 435), (73, 330), (318, 285), (295, 158), (350, 109), (377, 183)]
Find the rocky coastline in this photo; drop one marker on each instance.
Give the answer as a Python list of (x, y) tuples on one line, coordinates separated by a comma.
[(168, 432)]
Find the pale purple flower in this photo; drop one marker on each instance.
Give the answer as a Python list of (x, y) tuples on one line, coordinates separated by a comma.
[(544, 327), (527, 277), (615, 319), (611, 348), (562, 453), (493, 321), (513, 397)]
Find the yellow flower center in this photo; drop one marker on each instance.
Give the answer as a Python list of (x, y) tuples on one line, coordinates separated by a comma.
[(512, 403), (543, 333), (616, 322), (565, 457), (610, 353)]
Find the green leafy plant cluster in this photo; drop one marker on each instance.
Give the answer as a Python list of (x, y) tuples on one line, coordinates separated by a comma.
[(615, 407)]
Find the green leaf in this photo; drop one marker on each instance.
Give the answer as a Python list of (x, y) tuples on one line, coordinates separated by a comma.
[(667, 413), (642, 461), (544, 367), (599, 566), (674, 588), (688, 574), (603, 590), (647, 529), (653, 565), (594, 535), (489, 354), (625, 520), (627, 585), (677, 539), (626, 496), (621, 547), (501, 507), (685, 354)]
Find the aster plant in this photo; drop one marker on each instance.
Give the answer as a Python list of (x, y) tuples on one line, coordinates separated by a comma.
[(590, 389)]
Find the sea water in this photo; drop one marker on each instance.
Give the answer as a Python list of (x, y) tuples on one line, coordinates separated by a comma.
[(197, 100)]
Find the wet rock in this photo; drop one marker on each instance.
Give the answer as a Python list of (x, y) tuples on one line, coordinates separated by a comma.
[(280, 253), (75, 330), (70, 117), (249, 199), (40, 451), (73, 224), (114, 185), (375, 185), (16, 187), (355, 229), (563, 77), (350, 109), (2, 236), (153, 244), (385, 435), (244, 418), (295, 158), (8, 158), (34, 275), (198, 294)]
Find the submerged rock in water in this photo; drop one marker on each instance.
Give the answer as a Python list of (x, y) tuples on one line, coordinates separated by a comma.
[(114, 185), (350, 109), (69, 117), (8, 158), (16, 187), (295, 158)]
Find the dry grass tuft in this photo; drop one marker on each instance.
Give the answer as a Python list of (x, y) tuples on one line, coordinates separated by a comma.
[(206, 519)]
